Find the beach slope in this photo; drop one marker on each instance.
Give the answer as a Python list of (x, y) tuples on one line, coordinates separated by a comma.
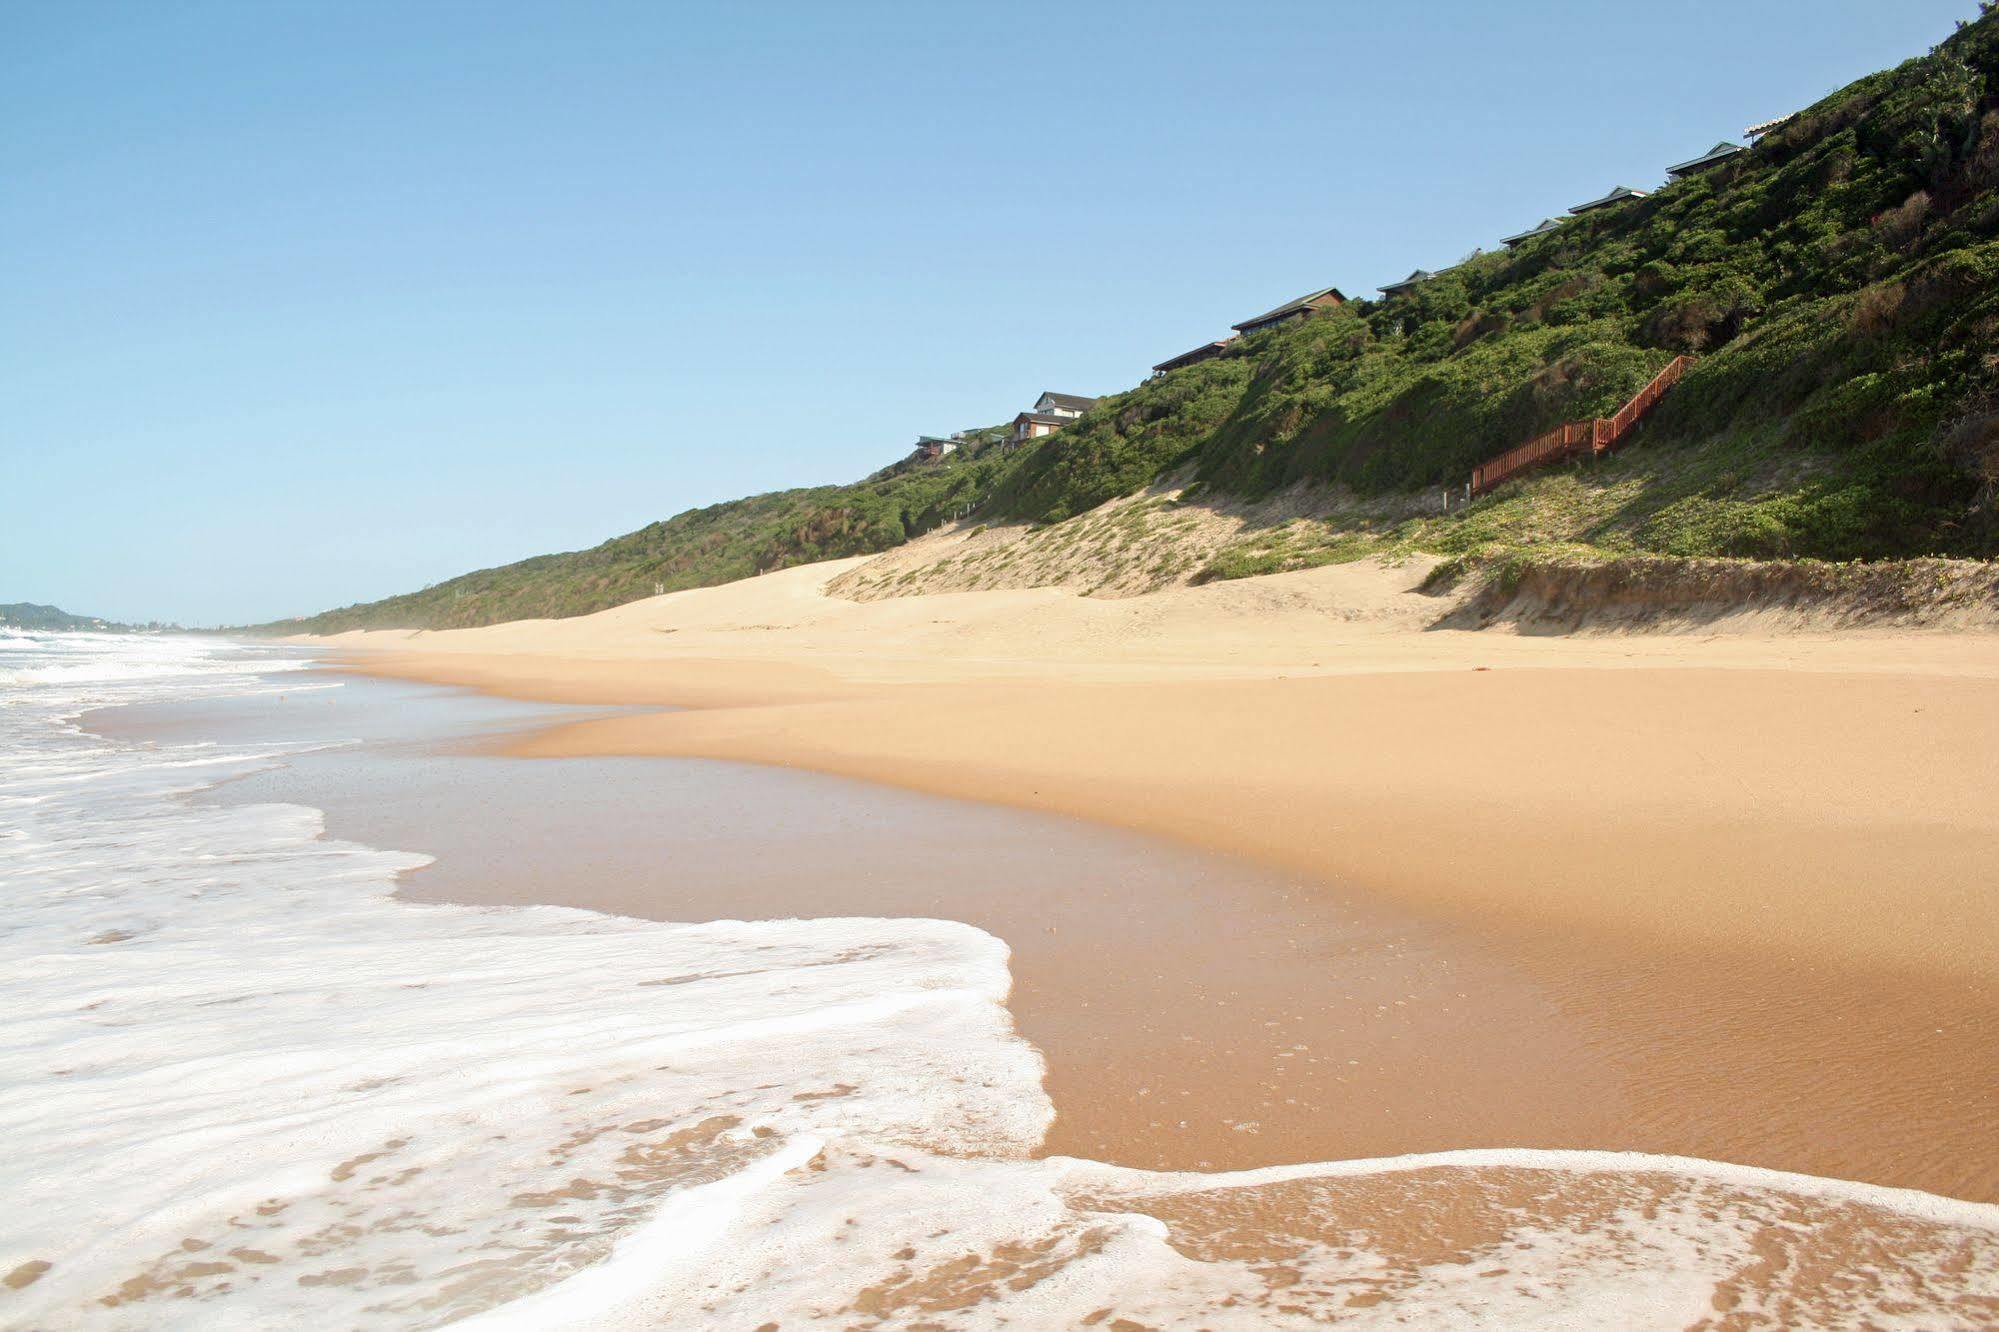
[(1753, 858)]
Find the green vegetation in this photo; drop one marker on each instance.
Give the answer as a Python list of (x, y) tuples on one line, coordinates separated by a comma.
[(1839, 282), (698, 548), (28, 615), (1746, 496)]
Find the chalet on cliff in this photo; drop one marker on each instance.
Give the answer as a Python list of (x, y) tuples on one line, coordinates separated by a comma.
[(1622, 194), (1051, 411), (1761, 128), (1406, 285), (1311, 303), (1069, 405), (1548, 224), (1713, 157), (1207, 351), (929, 448)]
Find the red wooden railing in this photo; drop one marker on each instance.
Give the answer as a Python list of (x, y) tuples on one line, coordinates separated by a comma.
[(1575, 439)]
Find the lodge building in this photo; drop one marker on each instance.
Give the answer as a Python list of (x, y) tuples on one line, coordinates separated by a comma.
[(1304, 307), (1207, 351), (1051, 411), (1406, 285), (1548, 224), (1622, 194), (1713, 157)]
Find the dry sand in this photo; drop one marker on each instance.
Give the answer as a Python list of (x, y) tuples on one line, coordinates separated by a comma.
[(1759, 866)]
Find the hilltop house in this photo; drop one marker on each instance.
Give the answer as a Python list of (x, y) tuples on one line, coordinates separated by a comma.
[(1621, 194), (1207, 351), (1069, 405), (1713, 157), (929, 448), (1051, 411), (1757, 131), (1311, 303), (1407, 284), (1548, 224)]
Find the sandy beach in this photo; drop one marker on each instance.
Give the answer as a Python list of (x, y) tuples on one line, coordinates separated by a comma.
[(1749, 867)]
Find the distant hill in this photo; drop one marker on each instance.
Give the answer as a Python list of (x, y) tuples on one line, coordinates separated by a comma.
[(28, 615), (1838, 281)]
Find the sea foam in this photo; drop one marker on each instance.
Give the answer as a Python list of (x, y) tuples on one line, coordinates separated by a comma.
[(246, 1086)]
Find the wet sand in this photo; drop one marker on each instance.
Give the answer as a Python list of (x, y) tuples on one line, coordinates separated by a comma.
[(1194, 1011), (1756, 908), (1160, 973)]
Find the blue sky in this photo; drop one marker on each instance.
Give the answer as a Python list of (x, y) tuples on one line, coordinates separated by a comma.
[(304, 304)]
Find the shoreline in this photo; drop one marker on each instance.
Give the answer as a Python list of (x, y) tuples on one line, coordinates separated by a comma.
[(1240, 1077), (1776, 927), (680, 1099), (969, 742)]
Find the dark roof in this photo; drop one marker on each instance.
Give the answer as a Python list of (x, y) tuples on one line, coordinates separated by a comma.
[(921, 440), (1043, 418), (1420, 275), (1200, 353), (1618, 195), (1069, 401), (1721, 152), (1548, 224), (1303, 303)]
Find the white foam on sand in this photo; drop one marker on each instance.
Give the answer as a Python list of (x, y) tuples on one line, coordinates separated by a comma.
[(241, 1082), (242, 1085)]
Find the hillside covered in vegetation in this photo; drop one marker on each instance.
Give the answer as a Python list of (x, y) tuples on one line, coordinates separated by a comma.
[(698, 548), (1839, 284), (34, 617)]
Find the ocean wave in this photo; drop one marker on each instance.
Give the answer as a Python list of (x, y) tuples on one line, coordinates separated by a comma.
[(246, 1081)]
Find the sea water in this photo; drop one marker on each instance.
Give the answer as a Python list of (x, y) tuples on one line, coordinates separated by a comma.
[(244, 1085)]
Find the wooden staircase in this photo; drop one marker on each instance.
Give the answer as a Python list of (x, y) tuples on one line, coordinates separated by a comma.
[(1578, 439)]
